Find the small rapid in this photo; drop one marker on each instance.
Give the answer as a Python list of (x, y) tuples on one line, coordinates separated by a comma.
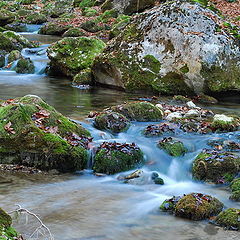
[(86, 207)]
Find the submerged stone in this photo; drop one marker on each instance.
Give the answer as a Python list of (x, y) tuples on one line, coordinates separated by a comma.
[(114, 122), (34, 134), (216, 166), (115, 157)]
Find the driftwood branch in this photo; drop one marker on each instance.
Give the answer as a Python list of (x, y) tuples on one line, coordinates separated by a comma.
[(41, 229)]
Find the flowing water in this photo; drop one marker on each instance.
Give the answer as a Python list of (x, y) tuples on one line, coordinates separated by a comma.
[(85, 207)]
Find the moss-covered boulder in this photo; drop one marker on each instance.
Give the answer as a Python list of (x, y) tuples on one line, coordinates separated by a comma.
[(172, 146), (139, 111), (150, 56), (83, 78), (3, 53), (235, 188), (34, 134), (6, 17), (197, 206), (6, 231), (216, 166), (57, 8), (54, 28), (115, 157), (12, 41), (25, 66), (169, 205), (14, 55), (223, 123), (229, 219), (111, 121), (71, 55), (36, 18), (16, 27), (74, 32), (128, 7)]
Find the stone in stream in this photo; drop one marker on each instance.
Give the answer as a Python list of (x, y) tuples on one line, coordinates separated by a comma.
[(115, 157), (194, 206), (74, 32), (16, 27), (54, 28), (14, 55), (3, 53), (235, 188), (10, 41), (25, 66), (69, 56), (229, 219), (216, 166), (175, 48), (160, 129), (36, 18), (34, 134), (139, 111), (111, 121), (172, 146)]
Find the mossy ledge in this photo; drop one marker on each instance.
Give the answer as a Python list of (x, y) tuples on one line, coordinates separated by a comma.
[(33, 133)]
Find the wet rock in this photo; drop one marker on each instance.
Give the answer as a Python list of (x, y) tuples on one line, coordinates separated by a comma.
[(6, 17), (5, 219), (139, 111), (229, 219), (3, 53), (115, 157), (160, 129), (36, 18), (14, 55), (172, 146), (197, 206), (192, 113), (151, 53), (74, 32), (61, 7), (191, 104), (54, 28), (83, 78), (174, 115), (235, 188), (223, 123), (16, 27), (169, 205), (34, 134), (181, 99), (111, 121), (127, 6), (91, 26), (216, 166), (156, 178), (71, 55), (12, 41), (223, 144), (206, 99), (25, 66)]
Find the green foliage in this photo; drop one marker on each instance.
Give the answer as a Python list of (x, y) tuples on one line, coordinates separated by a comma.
[(229, 219), (87, 3)]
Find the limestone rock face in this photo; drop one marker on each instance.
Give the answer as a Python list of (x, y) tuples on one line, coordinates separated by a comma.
[(176, 48)]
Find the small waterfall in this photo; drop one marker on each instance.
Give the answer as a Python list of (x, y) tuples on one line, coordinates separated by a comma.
[(6, 60)]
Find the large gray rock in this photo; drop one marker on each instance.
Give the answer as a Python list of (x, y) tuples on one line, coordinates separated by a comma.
[(128, 6), (175, 48)]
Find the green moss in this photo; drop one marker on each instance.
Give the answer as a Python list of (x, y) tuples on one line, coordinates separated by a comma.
[(225, 126), (25, 66), (74, 32), (229, 219), (36, 18), (5, 219), (116, 161), (180, 98), (198, 206), (151, 63), (107, 15), (62, 141), (83, 78), (54, 28), (139, 111), (14, 55), (89, 12), (235, 185), (113, 122), (87, 3), (184, 69), (235, 196), (214, 166), (71, 55), (172, 147)]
